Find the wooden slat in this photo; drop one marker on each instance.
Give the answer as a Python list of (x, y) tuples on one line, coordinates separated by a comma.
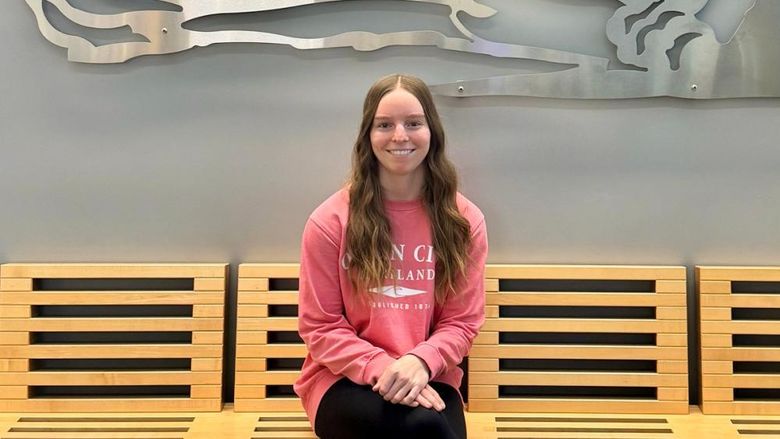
[(706, 287), (16, 284), (251, 337), (271, 351), (740, 327), (268, 324), (249, 391), (580, 352), (134, 378), (113, 351), (665, 286), (13, 364), (303, 424), (716, 340), (112, 298), (252, 285), (251, 364), (112, 324), (14, 338), (715, 314), (583, 272), (207, 337), (65, 405), (671, 313), (586, 325), (758, 408), (531, 405), (747, 381), (268, 405), (260, 311), (731, 274), (97, 423), (10, 391), (15, 312), (284, 435), (265, 298), (671, 339), (206, 391), (112, 271), (672, 366), (717, 367), (606, 379), (199, 311), (740, 300), (486, 338), (673, 393), (205, 284), (206, 364), (556, 433), (741, 354), (267, 377), (477, 364), (584, 299), (269, 270), (718, 394)]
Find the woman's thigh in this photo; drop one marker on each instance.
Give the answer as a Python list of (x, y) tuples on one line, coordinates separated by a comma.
[(348, 411), (453, 410)]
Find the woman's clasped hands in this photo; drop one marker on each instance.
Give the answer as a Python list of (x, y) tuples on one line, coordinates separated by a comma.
[(405, 381)]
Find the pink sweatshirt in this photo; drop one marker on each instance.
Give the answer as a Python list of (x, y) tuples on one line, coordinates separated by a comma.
[(347, 338)]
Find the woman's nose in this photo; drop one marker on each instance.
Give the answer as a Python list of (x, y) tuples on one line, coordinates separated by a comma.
[(399, 135)]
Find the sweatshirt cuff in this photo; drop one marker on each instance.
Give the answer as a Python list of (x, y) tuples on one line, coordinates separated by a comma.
[(375, 367), (430, 355)]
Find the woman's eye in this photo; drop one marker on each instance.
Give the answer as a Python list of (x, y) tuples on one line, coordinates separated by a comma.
[(383, 125), (415, 124)]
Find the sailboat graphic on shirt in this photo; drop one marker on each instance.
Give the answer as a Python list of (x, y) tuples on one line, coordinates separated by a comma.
[(397, 291)]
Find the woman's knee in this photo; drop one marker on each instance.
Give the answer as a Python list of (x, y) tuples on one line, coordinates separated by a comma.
[(426, 423)]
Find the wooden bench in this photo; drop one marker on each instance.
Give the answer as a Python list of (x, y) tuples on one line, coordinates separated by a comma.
[(265, 299), (111, 337), (740, 339), (593, 339), (231, 425), (269, 351)]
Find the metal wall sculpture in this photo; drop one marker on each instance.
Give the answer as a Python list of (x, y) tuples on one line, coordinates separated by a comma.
[(672, 52)]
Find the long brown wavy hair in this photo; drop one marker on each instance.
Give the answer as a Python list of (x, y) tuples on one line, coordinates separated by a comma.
[(369, 246)]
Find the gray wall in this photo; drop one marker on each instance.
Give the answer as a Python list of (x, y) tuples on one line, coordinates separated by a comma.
[(219, 153)]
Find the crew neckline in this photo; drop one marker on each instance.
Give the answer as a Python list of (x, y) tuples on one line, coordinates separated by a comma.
[(403, 205)]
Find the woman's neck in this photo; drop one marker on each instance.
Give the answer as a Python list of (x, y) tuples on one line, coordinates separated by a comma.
[(401, 187)]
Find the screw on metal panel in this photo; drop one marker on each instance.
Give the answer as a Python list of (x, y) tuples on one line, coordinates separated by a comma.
[(694, 87), (461, 89), (165, 30)]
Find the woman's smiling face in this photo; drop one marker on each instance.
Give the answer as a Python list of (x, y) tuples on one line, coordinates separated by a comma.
[(400, 137)]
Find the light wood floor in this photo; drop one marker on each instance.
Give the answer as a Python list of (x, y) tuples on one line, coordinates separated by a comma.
[(231, 425)]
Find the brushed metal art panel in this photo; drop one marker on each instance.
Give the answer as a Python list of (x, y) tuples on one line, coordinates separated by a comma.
[(672, 51)]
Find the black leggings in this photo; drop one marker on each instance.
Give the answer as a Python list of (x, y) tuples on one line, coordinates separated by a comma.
[(348, 410)]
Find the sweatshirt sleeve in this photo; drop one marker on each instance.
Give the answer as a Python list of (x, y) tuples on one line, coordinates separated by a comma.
[(329, 337), (460, 318)]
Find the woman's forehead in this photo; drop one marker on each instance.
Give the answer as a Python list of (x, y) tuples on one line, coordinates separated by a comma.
[(399, 101)]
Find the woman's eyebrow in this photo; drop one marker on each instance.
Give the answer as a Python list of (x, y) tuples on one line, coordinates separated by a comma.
[(408, 116)]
